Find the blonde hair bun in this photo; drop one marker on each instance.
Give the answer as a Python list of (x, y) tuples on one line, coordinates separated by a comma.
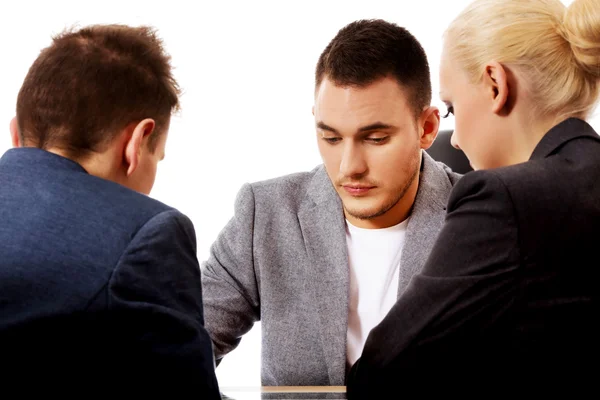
[(582, 27)]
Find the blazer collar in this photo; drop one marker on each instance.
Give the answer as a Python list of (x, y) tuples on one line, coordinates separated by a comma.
[(32, 157), (567, 130), (321, 190), (426, 219), (434, 184), (324, 231)]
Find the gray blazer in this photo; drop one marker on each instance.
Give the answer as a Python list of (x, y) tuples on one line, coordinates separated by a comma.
[(282, 259)]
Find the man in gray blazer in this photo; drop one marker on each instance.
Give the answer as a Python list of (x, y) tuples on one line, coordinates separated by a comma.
[(320, 257)]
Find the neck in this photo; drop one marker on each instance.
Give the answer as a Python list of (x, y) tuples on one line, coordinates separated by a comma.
[(537, 131), (103, 165), (398, 212), (525, 133)]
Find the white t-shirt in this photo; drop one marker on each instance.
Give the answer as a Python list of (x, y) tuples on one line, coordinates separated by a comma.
[(374, 258)]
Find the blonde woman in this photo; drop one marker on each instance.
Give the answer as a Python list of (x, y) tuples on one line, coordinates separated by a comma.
[(508, 299)]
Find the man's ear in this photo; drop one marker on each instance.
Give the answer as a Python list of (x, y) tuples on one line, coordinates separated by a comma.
[(495, 83), (14, 133), (134, 143), (429, 123)]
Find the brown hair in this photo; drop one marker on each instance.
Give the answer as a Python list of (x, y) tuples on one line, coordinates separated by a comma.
[(367, 50), (91, 83)]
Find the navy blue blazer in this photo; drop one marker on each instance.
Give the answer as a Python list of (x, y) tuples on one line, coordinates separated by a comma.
[(98, 283), (506, 304)]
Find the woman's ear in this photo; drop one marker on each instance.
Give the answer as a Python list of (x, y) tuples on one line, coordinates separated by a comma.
[(496, 85)]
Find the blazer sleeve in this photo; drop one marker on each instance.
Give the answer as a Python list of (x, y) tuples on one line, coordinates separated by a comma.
[(156, 294), (466, 287), (231, 292)]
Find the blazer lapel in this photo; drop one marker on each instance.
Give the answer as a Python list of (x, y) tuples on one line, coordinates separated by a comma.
[(426, 220), (567, 130), (323, 227)]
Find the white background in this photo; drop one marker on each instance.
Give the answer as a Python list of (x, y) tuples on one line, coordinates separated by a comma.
[(247, 70)]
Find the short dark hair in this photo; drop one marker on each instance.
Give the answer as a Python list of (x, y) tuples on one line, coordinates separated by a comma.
[(370, 49), (91, 83)]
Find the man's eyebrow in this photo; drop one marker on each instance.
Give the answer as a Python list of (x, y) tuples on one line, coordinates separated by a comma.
[(375, 127), (367, 128), (325, 127)]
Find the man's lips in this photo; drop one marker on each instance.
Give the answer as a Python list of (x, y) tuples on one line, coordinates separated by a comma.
[(357, 190)]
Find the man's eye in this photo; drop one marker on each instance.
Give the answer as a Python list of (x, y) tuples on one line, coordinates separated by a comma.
[(377, 140), (331, 140)]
